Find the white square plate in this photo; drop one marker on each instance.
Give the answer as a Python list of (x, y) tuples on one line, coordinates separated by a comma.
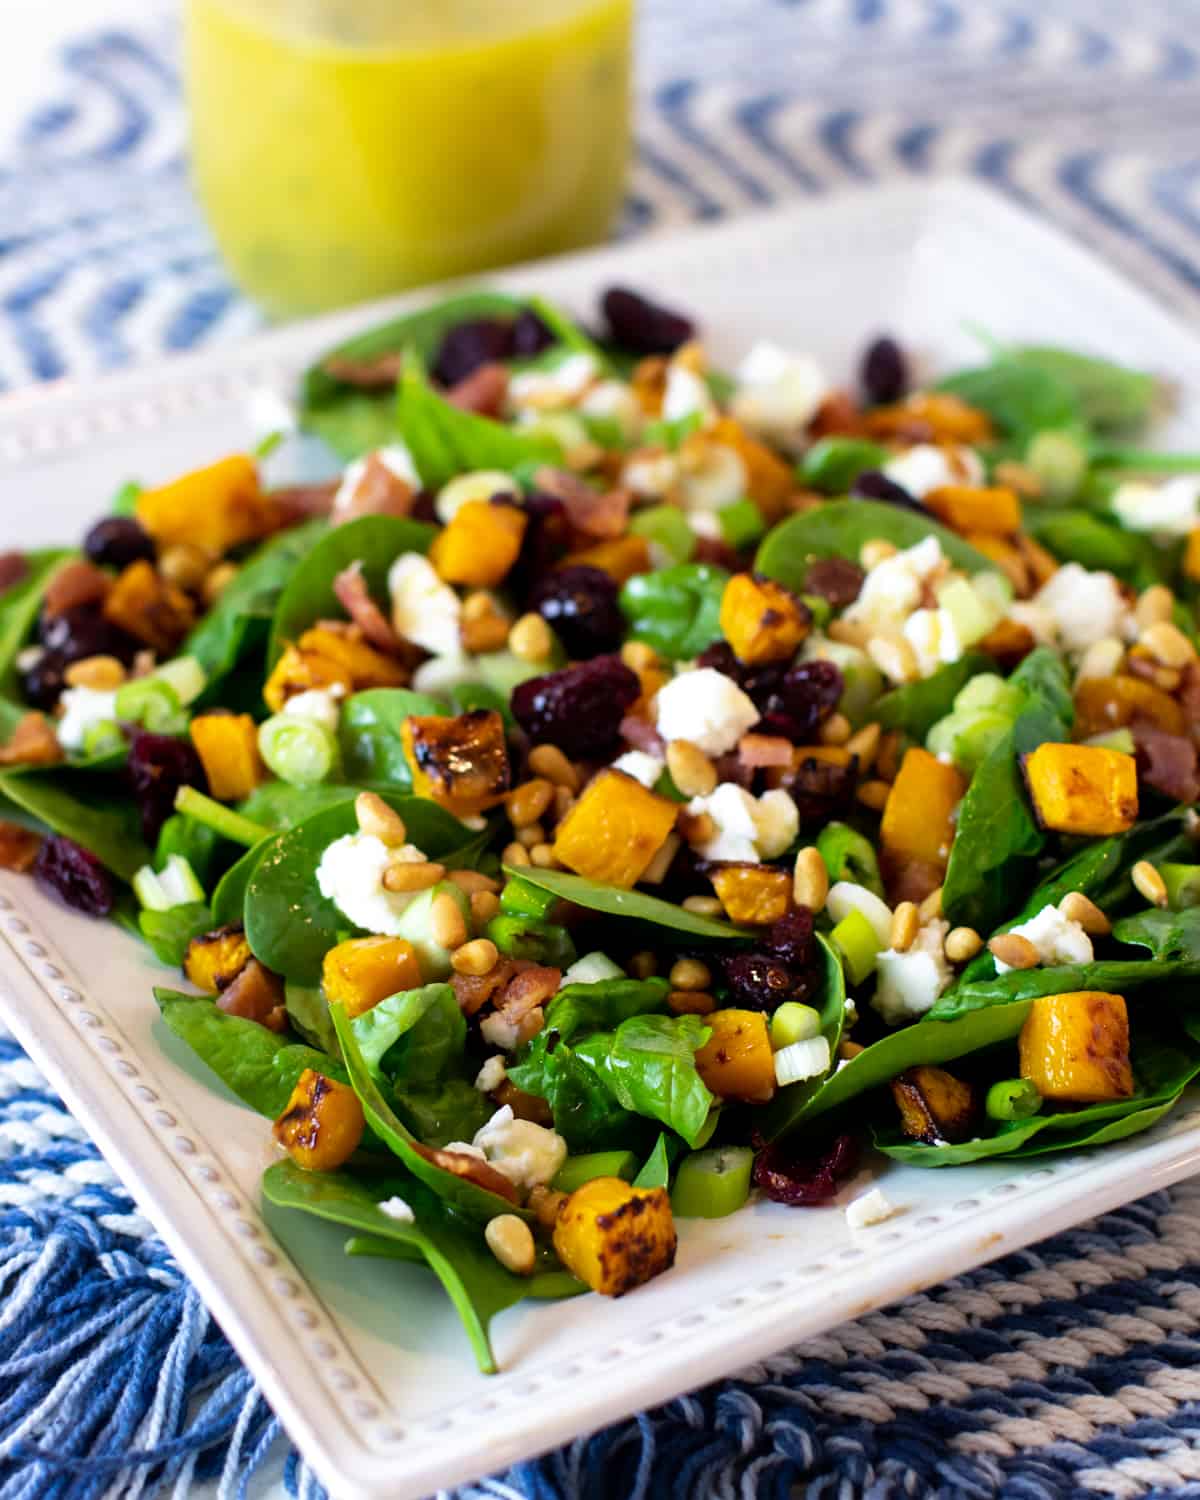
[(369, 1372)]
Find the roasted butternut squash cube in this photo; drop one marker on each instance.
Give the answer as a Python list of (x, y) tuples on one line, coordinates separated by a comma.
[(918, 817), (297, 671), (737, 1061), (1103, 704), (1074, 1048), (925, 416), (614, 1236), (215, 959), (227, 745), (769, 481), (331, 654), (480, 544), (142, 602), (993, 510), (1009, 642), (620, 558), (1191, 554), (461, 763), (614, 830), (762, 620), (1082, 788), (323, 1123), (214, 508), (754, 894), (934, 1105), (361, 972)]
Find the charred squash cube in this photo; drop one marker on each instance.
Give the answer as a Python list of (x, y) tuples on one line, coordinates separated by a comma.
[(934, 1105), (762, 620), (227, 745), (329, 655), (769, 481), (990, 510), (614, 830), (754, 894), (737, 1061), (214, 508), (1075, 1047), (461, 763), (480, 544), (614, 1236), (918, 817), (1103, 704), (215, 959), (323, 1123), (361, 972), (150, 608), (1082, 789)]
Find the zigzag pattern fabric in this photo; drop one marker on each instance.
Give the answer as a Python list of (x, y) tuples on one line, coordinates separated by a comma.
[(1066, 1370)]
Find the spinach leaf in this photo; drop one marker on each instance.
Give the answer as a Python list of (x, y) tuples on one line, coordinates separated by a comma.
[(676, 610), (375, 541), (649, 1064), (357, 422), (1167, 934), (201, 846), (229, 898), (792, 1103), (1081, 536), (581, 1008), (289, 924), (259, 1066), (279, 806), (1112, 975), (832, 464), (458, 1192), (656, 1169), (1021, 397), (445, 441), (369, 731), (615, 902), (443, 1112), (474, 1280), (412, 1036), (308, 1014), (840, 527), (19, 607), (169, 932), (1112, 398), (917, 706), (105, 822)]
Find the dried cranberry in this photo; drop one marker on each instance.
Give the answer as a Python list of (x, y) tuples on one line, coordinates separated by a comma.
[(836, 579), (804, 698), (758, 682), (423, 507), (466, 346), (791, 938), (820, 790), (43, 681), (116, 542), (530, 335), (544, 542), (84, 631), (873, 484), (761, 982), (805, 1175), (578, 709), (642, 326), (580, 605), (72, 875), (158, 766), (883, 374)]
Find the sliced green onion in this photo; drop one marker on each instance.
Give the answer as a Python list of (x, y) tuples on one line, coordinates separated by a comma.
[(520, 898), (531, 938), (1182, 883), (174, 885), (820, 609), (849, 855), (972, 616), (802, 1060), (1113, 739), (793, 1022), (148, 889), (103, 738), (967, 738), (185, 675), (577, 1170), (1012, 1099), (152, 703), (742, 523), (711, 1184), (1060, 461), (299, 751), (221, 819), (989, 693), (665, 525), (858, 943), (994, 589)]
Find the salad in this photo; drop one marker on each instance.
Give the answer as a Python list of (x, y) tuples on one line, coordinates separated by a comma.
[(631, 788)]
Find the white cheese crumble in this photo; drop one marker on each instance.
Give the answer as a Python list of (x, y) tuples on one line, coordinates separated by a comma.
[(872, 1207), (396, 1208), (1057, 939), (934, 639), (1167, 510), (491, 1075), (481, 484), (592, 968), (561, 385), (926, 467), (350, 874), (615, 400), (395, 457), (749, 829), (778, 393), (650, 475), (527, 1154), (641, 765), (1086, 606), (893, 587), (83, 708), (909, 982), (686, 395), (425, 610), (846, 896), (1041, 622), (706, 707), (317, 705)]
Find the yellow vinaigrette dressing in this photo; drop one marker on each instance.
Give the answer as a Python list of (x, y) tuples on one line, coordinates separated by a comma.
[(343, 149)]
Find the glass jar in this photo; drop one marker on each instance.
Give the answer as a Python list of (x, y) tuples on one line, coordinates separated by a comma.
[(343, 149)]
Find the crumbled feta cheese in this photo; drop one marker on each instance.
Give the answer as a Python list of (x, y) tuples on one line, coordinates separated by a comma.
[(714, 476), (893, 588), (560, 385), (1167, 510), (83, 708), (925, 467), (465, 1148), (1041, 622), (1057, 939), (350, 874), (482, 484), (778, 393), (396, 1208), (706, 707), (318, 705), (800, 1060), (395, 457), (1086, 606), (614, 399), (846, 896), (425, 610), (491, 1075), (649, 475), (527, 1154), (749, 828), (641, 766), (685, 395), (705, 523), (850, 1010), (910, 982), (592, 968), (869, 1208), (931, 634)]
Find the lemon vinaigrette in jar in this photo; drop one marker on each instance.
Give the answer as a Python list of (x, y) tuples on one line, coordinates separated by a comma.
[(343, 149)]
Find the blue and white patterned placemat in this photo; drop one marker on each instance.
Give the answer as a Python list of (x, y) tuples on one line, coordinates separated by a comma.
[(1070, 1369)]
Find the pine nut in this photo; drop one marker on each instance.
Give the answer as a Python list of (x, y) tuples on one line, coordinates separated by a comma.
[(476, 957), (865, 744), (848, 632), (643, 965), (691, 770), (639, 657), (532, 833), (876, 551), (1077, 907), (217, 580), (836, 730), (412, 875), (894, 657), (810, 879), (102, 673), (544, 1203), (542, 855), (511, 1241), (656, 870), (530, 639), (550, 762), (376, 818), (1155, 604), (484, 906), (1149, 883), (478, 605), (931, 908), (691, 1002), (905, 925), (962, 943), (1020, 477), (1101, 659), (689, 974), (887, 758), (447, 926), (874, 794), (1014, 950), (472, 881), (515, 854), (184, 565), (563, 802), (703, 906), (1168, 644), (527, 803), (697, 828)]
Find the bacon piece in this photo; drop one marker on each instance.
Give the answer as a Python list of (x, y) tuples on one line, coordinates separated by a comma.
[(13, 568), (1167, 762), (717, 553), (378, 373), (592, 514), (33, 743), (74, 584), (18, 847), (350, 588), (531, 988), (255, 995), (473, 991), (301, 502), (482, 391), (838, 415), (471, 1169), (642, 735), (378, 492)]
